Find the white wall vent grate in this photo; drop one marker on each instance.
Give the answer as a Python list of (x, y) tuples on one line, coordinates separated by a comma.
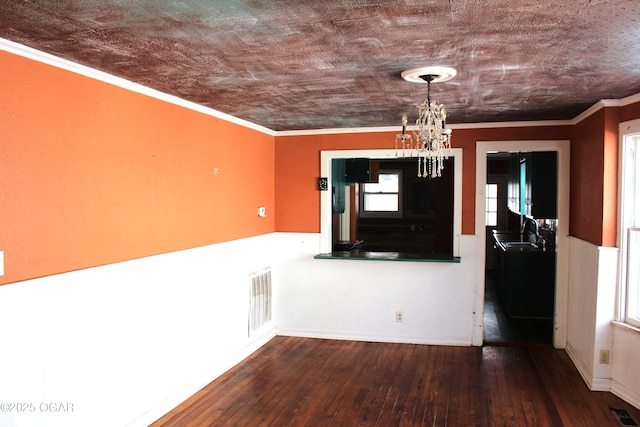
[(260, 300)]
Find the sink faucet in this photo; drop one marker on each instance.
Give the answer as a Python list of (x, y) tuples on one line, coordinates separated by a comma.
[(529, 226)]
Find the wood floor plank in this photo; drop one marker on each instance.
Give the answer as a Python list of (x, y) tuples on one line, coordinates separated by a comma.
[(311, 382)]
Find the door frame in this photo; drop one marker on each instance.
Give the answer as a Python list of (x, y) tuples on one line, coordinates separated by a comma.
[(562, 147)]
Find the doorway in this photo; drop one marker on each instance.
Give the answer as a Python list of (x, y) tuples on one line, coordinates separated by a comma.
[(520, 280), (485, 286)]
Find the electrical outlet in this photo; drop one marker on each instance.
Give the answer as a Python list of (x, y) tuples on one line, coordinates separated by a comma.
[(399, 317), (604, 357)]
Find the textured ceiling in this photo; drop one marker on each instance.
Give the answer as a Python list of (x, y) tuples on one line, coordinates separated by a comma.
[(308, 64)]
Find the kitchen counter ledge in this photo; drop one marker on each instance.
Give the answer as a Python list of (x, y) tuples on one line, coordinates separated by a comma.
[(388, 256)]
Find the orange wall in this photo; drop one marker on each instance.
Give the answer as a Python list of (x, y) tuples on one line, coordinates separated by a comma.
[(298, 167), (594, 160), (610, 177), (630, 112), (594, 174), (92, 174)]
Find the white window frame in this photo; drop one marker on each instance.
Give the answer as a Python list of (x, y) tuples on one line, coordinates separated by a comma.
[(628, 193), (382, 214), (325, 196)]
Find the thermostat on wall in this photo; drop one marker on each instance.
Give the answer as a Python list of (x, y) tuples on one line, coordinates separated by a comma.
[(323, 184)]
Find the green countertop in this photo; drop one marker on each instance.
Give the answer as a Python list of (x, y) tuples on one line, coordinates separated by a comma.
[(388, 256)]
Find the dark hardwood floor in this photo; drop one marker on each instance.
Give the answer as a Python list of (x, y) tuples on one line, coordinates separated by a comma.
[(312, 382), (499, 329)]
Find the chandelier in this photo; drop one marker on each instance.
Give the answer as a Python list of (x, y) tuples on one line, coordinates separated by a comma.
[(430, 141)]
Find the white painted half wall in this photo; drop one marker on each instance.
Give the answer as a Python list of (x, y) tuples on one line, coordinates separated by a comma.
[(625, 379), (591, 311), (358, 299), (123, 344)]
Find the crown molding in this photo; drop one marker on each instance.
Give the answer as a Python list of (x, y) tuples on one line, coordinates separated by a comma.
[(631, 99), (335, 131), (411, 128), (74, 67)]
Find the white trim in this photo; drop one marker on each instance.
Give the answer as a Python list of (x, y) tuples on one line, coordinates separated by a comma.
[(381, 129), (40, 56), (593, 383), (625, 393), (325, 196), (626, 326), (583, 370), (630, 127), (92, 73), (562, 256), (594, 109), (631, 99), (601, 384), (337, 131), (352, 336)]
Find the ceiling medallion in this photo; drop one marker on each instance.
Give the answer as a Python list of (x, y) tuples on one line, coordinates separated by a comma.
[(431, 140)]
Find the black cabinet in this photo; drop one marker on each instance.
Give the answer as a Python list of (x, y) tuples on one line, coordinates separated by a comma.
[(533, 184), (337, 185), (361, 170), (526, 281), (543, 182)]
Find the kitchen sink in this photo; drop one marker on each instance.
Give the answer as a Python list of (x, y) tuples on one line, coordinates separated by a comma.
[(516, 245)]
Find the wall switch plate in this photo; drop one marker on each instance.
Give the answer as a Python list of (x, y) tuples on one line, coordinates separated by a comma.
[(604, 357), (262, 211), (1, 263)]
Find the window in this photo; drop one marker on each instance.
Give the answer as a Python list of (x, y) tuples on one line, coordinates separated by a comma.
[(630, 223), (523, 187), (491, 210), (383, 198)]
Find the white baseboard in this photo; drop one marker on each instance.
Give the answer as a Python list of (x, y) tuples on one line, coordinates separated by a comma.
[(601, 384), (333, 335), (583, 370), (188, 391), (625, 394)]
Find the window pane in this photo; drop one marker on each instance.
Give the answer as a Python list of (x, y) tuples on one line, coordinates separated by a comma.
[(381, 202), (523, 188), (387, 183), (492, 219), (635, 221), (492, 191), (633, 275), (630, 215), (491, 205)]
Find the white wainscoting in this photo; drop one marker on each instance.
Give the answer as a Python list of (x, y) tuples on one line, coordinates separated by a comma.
[(625, 381), (349, 299), (592, 302), (124, 343)]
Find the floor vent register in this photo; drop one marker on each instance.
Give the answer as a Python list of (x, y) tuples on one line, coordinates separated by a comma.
[(624, 417)]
